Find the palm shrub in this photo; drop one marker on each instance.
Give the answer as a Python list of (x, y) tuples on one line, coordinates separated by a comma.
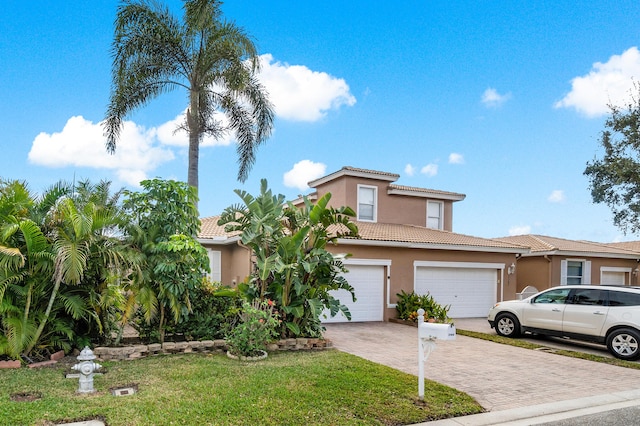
[(59, 255), (408, 304), (292, 266)]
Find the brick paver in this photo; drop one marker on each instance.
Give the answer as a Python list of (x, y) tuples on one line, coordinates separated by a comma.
[(498, 376)]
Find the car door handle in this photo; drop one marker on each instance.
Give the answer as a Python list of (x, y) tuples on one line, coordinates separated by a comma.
[(555, 310), (598, 313)]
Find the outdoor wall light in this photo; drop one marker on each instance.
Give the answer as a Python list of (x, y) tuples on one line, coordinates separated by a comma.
[(512, 269)]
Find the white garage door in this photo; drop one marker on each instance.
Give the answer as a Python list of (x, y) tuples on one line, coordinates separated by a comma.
[(368, 283), (469, 291), (612, 278)]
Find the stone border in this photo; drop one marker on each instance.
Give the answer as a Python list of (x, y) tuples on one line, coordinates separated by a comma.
[(106, 353), (53, 359)]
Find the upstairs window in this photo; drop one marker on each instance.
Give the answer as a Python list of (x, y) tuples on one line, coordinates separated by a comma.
[(434, 214), (367, 203)]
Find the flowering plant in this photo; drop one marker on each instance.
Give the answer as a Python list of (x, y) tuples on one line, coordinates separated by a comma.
[(257, 327)]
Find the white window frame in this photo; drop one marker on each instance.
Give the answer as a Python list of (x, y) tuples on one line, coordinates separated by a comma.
[(440, 216), (215, 264), (586, 271), (375, 203)]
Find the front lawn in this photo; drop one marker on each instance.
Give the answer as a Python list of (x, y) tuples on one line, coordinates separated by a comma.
[(310, 388)]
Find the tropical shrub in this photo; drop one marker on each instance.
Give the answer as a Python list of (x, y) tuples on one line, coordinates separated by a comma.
[(163, 226), (257, 327), (408, 304), (214, 312), (60, 254), (292, 266)]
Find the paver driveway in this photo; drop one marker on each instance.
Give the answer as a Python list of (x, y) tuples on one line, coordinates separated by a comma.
[(498, 376)]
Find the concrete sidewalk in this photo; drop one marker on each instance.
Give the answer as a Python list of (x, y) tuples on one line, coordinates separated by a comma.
[(501, 378)]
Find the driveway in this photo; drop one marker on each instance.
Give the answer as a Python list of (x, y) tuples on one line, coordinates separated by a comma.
[(499, 377)]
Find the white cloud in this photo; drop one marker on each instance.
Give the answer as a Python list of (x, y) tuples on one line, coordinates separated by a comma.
[(303, 172), (409, 170), (81, 144), (455, 158), (492, 99), (556, 196), (430, 169), (300, 94), (520, 230), (607, 83)]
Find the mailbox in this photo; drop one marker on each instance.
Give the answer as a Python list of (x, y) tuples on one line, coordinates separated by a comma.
[(431, 330), (428, 334)]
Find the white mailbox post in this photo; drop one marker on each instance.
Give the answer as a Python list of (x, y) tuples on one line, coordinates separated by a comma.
[(428, 333)]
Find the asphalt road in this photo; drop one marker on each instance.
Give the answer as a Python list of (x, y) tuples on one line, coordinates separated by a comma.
[(624, 416)]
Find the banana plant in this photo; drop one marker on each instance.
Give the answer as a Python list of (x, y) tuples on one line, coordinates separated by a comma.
[(292, 266)]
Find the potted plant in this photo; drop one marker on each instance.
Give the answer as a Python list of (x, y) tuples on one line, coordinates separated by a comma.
[(257, 327)]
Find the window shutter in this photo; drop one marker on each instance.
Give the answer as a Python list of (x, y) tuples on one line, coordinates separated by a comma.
[(563, 272), (215, 264), (586, 274)]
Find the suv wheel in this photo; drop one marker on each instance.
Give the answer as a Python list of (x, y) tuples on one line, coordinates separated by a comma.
[(624, 343), (507, 325)]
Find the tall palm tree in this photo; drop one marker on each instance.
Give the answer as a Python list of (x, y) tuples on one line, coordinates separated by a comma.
[(214, 60)]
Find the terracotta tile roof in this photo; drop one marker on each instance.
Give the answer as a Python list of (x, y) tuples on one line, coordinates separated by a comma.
[(627, 245), (373, 172), (209, 229), (392, 233), (427, 191), (387, 232), (354, 171), (545, 244)]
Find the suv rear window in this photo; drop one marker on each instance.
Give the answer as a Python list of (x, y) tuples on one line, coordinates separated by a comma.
[(623, 298)]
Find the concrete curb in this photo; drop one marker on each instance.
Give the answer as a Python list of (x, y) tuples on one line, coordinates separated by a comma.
[(543, 413)]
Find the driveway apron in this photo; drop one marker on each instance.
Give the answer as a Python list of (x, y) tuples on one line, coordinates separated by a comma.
[(498, 376)]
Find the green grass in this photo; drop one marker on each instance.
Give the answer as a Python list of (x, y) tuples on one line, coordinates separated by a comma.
[(527, 345), (310, 388)]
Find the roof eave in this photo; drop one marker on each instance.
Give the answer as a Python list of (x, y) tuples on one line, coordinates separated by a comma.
[(430, 246), (630, 256), (355, 173), (221, 240), (426, 194)]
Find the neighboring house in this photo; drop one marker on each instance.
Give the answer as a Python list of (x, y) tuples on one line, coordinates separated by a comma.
[(556, 261), (406, 243)]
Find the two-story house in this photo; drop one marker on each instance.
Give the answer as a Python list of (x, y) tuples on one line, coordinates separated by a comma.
[(406, 243)]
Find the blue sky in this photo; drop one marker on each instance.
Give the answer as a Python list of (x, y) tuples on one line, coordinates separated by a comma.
[(501, 101)]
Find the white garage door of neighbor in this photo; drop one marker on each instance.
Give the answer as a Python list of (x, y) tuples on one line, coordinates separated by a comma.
[(612, 278), (368, 283), (469, 291)]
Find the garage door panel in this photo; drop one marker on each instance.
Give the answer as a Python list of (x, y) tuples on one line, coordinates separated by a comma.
[(612, 278), (469, 291), (368, 283)]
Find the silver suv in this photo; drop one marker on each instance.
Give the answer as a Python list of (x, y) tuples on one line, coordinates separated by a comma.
[(602, 314)]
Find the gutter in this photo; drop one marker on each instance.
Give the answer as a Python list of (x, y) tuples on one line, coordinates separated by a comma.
[(430, 246)]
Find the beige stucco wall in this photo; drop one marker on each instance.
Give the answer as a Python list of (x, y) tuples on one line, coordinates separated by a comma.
[(534, 271), (400, 209), (235, 263), (402, 267), (544, 273)]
